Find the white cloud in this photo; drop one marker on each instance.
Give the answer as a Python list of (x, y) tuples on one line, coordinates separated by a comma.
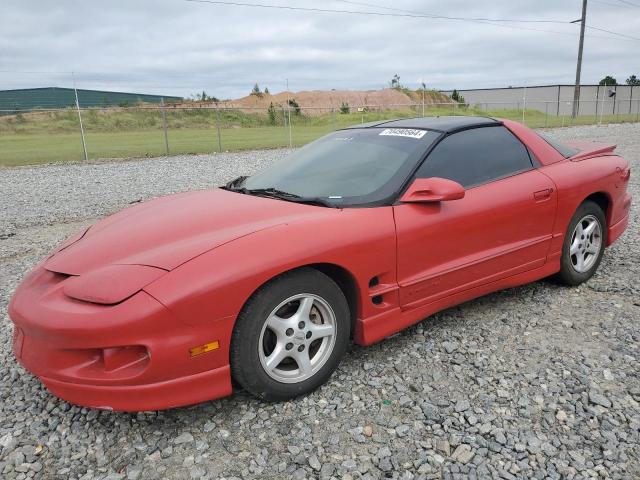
[(178, 47)]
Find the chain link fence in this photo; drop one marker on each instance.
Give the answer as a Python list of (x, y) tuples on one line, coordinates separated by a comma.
[(43, 135)]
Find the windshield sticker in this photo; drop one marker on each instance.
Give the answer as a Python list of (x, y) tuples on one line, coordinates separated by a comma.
[(403, 132)]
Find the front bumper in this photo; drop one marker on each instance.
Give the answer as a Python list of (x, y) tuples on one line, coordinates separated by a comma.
[(178, 392), (129, 357)]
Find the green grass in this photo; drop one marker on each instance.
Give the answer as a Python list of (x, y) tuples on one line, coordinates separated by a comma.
[(54, 136), (28, 149)]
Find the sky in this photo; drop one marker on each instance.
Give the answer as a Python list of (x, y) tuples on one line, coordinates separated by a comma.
[(179, 47)]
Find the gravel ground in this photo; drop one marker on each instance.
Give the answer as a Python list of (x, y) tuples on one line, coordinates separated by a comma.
[(539, 381)]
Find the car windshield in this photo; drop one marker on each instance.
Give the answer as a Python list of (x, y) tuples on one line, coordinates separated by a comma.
[(348, 167)]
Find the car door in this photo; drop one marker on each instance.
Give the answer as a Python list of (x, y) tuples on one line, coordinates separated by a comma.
[(501, 227)]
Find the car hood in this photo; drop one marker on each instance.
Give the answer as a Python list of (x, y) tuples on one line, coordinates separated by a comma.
[(169, 231)]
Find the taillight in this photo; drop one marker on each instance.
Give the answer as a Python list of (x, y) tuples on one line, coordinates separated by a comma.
[(18, 341), (625, 174)]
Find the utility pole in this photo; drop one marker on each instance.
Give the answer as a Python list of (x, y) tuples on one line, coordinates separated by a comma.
[(576, 91), (218, 128), (289, 115), (164, 125), (84, 145), (524, 101)]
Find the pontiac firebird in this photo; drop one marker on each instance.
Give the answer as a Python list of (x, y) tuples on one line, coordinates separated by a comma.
[(263, 283)]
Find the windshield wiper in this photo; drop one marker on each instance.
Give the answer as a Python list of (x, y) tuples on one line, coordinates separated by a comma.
[(282, 195), (233, 184), (291, 197)]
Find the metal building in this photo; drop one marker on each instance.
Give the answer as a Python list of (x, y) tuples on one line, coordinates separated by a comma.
[(557, 99), (25, 99)]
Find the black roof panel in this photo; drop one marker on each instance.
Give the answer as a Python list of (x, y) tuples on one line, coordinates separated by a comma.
[(443, 124)]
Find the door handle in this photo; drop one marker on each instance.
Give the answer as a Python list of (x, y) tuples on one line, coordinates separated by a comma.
[(543, 194)]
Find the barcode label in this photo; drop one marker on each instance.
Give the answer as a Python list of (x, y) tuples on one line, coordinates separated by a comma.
[(403, 132)]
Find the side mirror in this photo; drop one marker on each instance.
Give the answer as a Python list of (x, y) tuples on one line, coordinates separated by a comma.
[(425, 190)]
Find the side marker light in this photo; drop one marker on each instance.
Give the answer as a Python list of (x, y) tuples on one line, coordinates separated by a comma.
[(207, 347)]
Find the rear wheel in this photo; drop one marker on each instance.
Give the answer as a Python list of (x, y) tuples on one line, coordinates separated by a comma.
[(290, 336), (583, 245)]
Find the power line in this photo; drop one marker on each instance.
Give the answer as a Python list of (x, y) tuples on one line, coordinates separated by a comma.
[(629, 3), (412, 14), (359, 12), (611, 4), (447, 17), (488, 22), (612, 33), (482, 22), (34, 71)]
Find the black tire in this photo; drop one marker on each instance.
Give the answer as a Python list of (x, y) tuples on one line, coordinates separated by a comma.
[(246, 367), (568, 273)]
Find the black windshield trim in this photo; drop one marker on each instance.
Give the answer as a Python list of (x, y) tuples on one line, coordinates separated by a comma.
[(443, 124)]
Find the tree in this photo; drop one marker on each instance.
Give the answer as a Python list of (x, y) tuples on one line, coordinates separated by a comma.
[(344, 108), (456, 97), (256, 90), (395, 81), (608, 80), (266, 91), (271, 112), (203, 97), (293, 104), (632, 80)]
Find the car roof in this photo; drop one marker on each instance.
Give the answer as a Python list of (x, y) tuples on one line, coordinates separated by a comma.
[(446, 124)]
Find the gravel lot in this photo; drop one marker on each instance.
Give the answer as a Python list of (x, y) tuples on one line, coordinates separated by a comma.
[(540, 381)]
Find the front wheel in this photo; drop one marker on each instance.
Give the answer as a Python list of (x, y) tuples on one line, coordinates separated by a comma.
[(290, 336), (583, 245)]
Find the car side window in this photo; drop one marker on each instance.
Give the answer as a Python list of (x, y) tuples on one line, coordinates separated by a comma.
[(476, 156)]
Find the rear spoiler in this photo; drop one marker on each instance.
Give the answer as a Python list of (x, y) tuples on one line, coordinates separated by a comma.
[(590, 150)]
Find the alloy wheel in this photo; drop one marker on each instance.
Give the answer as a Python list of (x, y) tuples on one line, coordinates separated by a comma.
[(297, 338), (586, 242)]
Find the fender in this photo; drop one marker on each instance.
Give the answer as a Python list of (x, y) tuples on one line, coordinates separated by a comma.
[(219, 282)]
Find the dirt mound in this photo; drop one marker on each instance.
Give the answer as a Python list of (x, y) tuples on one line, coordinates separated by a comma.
[(327, 100)]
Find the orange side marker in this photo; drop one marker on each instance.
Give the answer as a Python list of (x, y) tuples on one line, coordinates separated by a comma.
[(207, 347)]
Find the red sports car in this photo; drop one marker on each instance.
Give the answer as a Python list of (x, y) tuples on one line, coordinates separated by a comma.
[(352, 238)]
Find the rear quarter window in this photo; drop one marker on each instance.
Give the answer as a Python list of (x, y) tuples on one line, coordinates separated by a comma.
[(562, 149)]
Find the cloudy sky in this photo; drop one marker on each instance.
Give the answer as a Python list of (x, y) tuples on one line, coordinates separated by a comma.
[(181, 47)]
